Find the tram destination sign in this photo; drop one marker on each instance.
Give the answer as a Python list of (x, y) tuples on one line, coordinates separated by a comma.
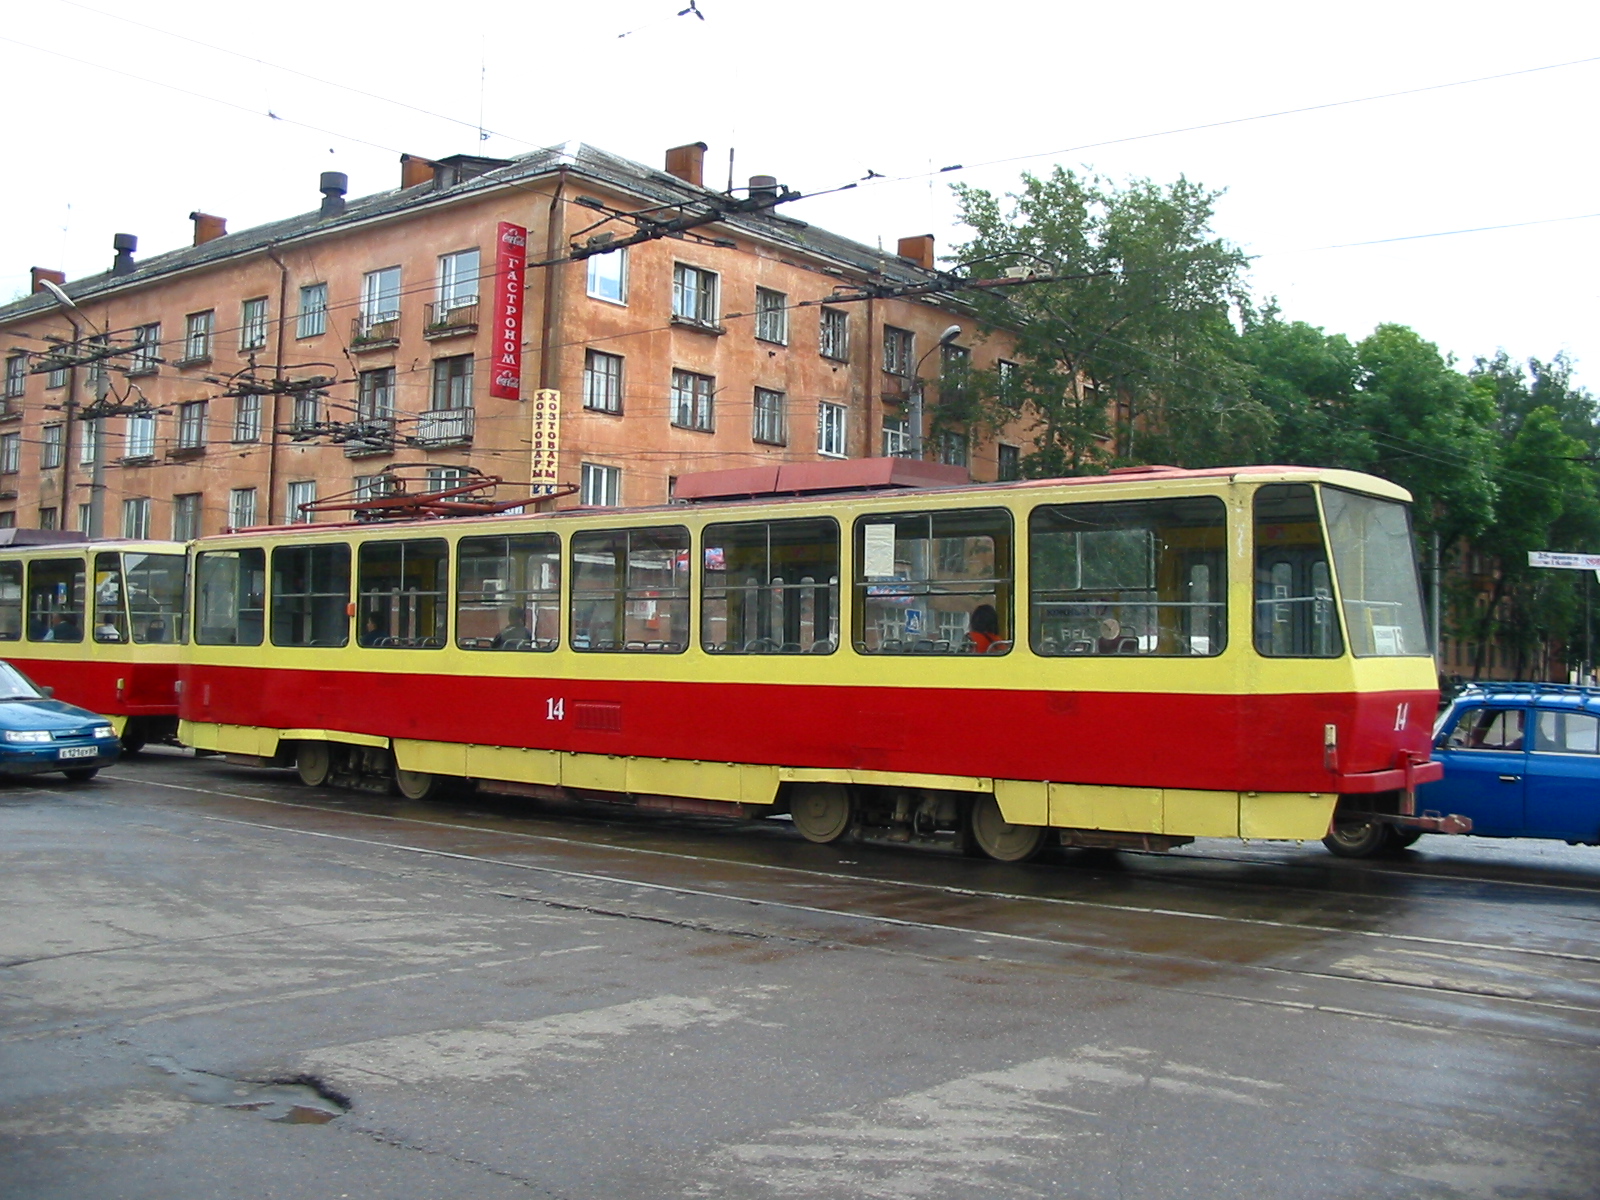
[(1566, 562)]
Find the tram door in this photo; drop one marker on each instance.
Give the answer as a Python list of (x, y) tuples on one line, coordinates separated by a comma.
[(1294, 603)]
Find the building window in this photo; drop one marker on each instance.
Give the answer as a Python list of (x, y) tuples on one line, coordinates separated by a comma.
[(313, 317), (442, 479), (380, 304), (452, 382), (136, 518), (16, 376), (253, 324), (769, 425), (301, 492), (306, 414), (96, 370), (952, 448), (241, 508), (8, 519), (601, 486), (373, 487), (1010, 383), (51, 439), (86, 519), (88, 449), (835, 339), (192, 425), (896, 438), (955, 373), (608, 276), (1008, 464), (602, 381), (830, 430), (375, 396), (146, 350), (247, 418), (772, 316), (186, 517), (694, 295), (57, 378), (691, 400), (458, 280), (48, 518), (899, 350), (197, 336), (10, 453), (141, 436)]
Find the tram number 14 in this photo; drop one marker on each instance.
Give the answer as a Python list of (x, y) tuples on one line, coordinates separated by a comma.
[(555, 709)]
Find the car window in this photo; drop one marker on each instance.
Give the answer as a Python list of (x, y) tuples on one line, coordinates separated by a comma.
[(1487, 729), (1568, 733)]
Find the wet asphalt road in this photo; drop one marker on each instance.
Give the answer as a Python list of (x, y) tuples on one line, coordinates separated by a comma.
[(217, 983)]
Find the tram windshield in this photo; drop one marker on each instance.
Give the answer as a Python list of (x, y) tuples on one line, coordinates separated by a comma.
[(1375, 563)]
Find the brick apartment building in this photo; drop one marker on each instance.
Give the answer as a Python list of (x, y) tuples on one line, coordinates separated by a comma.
[(255, 371)]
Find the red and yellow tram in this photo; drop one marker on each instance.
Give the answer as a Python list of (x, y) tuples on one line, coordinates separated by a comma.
[(1136, 659), (101, 623)]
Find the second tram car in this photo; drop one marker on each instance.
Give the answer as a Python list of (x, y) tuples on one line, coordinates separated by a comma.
[(1132, 660), (101, 624)]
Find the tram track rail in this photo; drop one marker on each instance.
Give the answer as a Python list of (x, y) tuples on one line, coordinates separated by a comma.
[(995, 942)]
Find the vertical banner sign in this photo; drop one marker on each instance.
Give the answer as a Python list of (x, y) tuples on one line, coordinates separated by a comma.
[(505, 382), (546, 437)]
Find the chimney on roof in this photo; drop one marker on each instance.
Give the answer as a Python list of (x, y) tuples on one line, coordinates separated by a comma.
[(124, 244), (763, 187), (918, 249), (207, 228), (688, 163), (59, 278), (334, 184), (415, 169)]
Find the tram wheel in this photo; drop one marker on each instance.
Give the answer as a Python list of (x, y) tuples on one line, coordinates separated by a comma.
[(1401, 836), (990, 832), (132, 739), (415, 785), (1357, 838), (822, 812), (313, 763)]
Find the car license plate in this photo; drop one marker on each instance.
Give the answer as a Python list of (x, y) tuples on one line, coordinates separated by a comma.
[(78, 752)]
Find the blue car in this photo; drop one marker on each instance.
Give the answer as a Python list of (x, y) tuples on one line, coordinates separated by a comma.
[(38, 734), (1520, 760)]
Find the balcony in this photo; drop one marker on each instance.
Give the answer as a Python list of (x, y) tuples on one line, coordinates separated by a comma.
[(450, 319), (378, 332), (445, 427), (894, 389)]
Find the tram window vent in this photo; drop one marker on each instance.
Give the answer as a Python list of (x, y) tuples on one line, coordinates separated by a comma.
[(593, 714)]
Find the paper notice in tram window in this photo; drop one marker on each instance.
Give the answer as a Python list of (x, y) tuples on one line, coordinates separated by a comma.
[(878, 552), (1386, 639)]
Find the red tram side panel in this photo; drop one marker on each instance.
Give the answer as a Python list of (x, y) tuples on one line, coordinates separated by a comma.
[(100, 623), (1165, 656)]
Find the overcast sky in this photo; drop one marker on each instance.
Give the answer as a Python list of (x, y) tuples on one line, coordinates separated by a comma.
[(819, 93)]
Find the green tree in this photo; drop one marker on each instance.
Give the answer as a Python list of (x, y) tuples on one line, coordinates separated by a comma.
[(1131, 355), (1309, 382)]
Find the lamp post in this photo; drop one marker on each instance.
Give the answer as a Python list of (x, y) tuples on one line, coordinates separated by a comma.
[(69, 307), (915, 432)]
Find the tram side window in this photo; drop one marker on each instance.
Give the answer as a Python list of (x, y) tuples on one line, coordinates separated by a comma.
[(55, 600), (1145, 577), (770, 587), (10, 601), (1295, 615), (311, 595), (231, 589), (508, 592), (110, 615), (933, 583), (630, 590), (1376, 564), (402, 588), (157, 596)]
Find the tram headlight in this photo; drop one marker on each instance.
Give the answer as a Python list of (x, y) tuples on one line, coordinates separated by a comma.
[(27, 735)]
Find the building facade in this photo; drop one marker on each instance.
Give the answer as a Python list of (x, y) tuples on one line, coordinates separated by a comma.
[(233, 381)]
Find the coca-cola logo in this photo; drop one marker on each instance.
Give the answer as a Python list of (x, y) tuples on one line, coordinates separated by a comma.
[(512, 237), (507, 379)]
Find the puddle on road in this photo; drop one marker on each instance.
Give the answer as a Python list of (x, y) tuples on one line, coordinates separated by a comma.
[(301, 1100)]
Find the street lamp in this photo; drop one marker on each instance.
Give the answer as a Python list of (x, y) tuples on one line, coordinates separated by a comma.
[(71, 311), (945, 338)]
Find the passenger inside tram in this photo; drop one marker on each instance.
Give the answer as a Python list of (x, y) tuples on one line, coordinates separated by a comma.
[(516, 635)]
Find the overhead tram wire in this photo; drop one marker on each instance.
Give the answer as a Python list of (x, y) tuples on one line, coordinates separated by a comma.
[(1416, 237)]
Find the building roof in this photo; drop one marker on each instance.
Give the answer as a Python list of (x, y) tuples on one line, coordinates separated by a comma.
[(577, 158)]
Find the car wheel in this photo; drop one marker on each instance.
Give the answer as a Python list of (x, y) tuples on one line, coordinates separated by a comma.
[(1357, 837), (81, 774)]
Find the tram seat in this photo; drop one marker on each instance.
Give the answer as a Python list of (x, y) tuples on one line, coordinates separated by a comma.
[(789, 648), (672, 647), (655, 646), (760, 646), (825, 647), (892, 646), (929, 646), (1127, 645), (998, 647), (634, 646), (516, 644), (1080, 646)]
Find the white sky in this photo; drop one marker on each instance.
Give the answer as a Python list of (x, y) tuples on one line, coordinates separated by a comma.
[(819, 92)]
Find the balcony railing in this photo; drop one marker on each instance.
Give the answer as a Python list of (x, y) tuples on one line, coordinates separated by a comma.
[(447, 319), (445, 427), (370, 332)]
